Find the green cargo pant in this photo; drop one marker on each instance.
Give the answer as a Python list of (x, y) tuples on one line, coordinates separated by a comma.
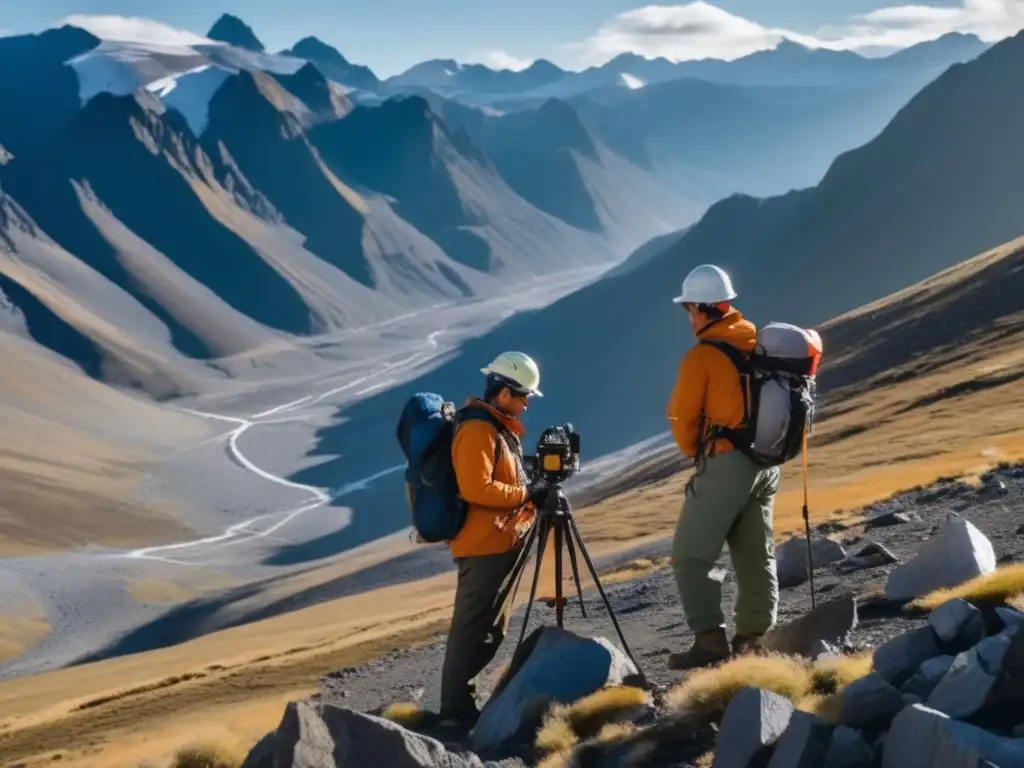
[(731, 501), (479, 623)]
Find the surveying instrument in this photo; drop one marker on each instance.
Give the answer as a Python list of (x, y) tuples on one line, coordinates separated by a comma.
[(557, 459)]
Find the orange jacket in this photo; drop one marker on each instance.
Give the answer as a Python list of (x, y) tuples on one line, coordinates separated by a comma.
[(708, 382), (497, 495)]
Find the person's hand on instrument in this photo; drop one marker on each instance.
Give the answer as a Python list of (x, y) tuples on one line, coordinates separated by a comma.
[(539, 495)]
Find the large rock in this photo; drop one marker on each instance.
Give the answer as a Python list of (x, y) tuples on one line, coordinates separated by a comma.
[(791, 558), (753, 721), (959, 552), (826, 626), (898, 659), (848, 750), (928, 676), (921, 737), (870, 701), (323, 736), (958, 623), (968, 685), (804, 744), (551, 666)]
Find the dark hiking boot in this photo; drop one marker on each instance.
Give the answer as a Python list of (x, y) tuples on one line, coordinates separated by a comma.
[(708, 648), (744, 644)]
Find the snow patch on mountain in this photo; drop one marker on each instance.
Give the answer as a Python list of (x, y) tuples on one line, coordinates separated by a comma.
[(190, 94), (631, 81)]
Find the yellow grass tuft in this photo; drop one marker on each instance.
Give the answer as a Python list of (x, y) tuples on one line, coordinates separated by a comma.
[(208, 754), (829, 707), (405, 713), (1001, 586), (708, 691), (566, 724), (833, 673), (558, 759), (613, 733)]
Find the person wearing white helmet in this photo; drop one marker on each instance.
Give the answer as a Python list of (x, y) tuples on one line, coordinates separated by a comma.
[(729, 499), (488, 462)]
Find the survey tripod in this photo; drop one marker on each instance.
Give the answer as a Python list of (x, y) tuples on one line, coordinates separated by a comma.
[(556, 519)]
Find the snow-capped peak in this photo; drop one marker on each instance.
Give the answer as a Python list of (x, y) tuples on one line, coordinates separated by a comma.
[(631, 81), (135, 29)]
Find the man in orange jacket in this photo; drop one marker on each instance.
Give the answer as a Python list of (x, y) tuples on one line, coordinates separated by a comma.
[(730, 499), (488, 464)]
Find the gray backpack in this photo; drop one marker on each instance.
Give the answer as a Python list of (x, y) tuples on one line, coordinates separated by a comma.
[(778, 382)]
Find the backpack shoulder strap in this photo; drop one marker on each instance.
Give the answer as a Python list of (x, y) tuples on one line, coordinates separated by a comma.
[(740, 359)]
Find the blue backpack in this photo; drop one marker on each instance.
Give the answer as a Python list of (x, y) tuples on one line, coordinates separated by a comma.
[(425, 432)]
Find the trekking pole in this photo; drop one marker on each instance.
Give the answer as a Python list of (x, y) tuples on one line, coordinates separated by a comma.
[(807, 526)]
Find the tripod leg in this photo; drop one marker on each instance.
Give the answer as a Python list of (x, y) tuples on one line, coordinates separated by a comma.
[(515, 577), (543, 537), (604, 597), (571, 547), (559, 536)]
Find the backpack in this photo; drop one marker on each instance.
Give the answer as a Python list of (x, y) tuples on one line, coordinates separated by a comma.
[(779, 392), (425, 432)]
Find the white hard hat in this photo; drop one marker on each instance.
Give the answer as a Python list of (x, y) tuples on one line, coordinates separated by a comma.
[(706, 284), (519, 369)]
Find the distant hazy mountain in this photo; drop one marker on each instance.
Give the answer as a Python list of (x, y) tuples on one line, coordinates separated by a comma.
[(233, 31), (335, 66), (788, 64), (940, 184)]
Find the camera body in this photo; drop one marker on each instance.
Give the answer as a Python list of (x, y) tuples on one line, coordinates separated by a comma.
[(558, 455)]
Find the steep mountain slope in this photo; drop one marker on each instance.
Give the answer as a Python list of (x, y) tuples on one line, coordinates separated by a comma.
[(937, 184), (335, 66), (233, 31), (449, 78), (548, 156), (45, 90), (443, 185)]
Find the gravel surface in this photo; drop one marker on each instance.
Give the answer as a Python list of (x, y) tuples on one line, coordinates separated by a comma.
[(651, 618)]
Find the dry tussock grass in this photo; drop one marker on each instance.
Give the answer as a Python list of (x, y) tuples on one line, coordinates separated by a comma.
[(208, 754), (833, 673), (708, 691), (565, 725), (1002, 586), (404, 713)]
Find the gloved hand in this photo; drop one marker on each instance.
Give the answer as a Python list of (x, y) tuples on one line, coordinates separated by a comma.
[(539, 495)]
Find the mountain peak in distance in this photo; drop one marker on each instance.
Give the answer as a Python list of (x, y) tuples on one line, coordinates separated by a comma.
[(233, 31)]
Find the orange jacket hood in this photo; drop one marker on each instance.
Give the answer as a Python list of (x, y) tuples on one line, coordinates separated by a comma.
[(708, 386)]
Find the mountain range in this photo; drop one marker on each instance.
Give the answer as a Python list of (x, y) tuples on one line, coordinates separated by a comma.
[(177, 216), (939, 184)]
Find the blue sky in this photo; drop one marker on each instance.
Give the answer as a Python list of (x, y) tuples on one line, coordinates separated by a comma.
[(390, 35)]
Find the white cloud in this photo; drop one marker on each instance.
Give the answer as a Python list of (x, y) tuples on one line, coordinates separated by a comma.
[(501, 60), (133, 29), (698, 30)]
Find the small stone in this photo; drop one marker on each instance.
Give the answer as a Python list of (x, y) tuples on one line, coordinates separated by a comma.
[(928, 676), (899, 659), (791, 558), (958, 623), (870, 700), (804, 744), (888, 518), (848, 750), (827, 626), (754, 719)]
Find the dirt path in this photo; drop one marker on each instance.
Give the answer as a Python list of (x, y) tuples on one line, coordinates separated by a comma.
[(648, 607)]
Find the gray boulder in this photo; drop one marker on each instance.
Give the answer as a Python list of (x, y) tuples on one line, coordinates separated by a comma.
[(804, 744), (848, 750), (928, 676), (791, 558), (967, 687), (958, 623), (818, 632), (324, 736), (755, 719), (958, 553), (898, 659), (1010, 617), (921, 737), (870, 701), (551, 666)]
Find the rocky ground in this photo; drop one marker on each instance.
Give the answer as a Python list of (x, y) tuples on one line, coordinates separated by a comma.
[(648, 608), (959, 662)]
